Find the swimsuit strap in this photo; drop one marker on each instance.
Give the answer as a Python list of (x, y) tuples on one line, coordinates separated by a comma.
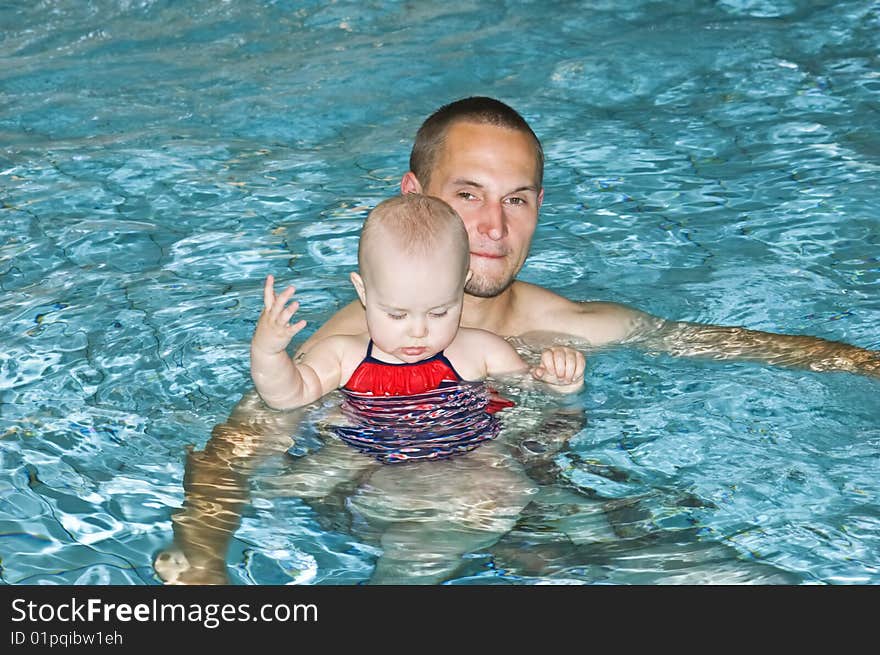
[(441, 356)]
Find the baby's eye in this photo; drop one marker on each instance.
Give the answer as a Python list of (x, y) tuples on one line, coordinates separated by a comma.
[(396, 317), (439, 314)]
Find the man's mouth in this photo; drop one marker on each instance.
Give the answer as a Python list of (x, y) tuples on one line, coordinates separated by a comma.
[(488, 255)]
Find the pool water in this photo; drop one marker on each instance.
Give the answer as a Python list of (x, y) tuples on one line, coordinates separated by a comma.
[(715, 162)]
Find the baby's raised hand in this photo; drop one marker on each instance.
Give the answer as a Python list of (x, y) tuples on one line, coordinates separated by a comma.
[(563, 367), (274, 330)]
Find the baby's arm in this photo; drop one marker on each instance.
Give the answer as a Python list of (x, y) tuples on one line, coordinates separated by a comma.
[(494, 356), (562, 367), (281, 383)]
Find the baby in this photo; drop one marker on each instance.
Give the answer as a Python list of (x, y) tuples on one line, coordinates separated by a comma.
[(413, 261), (413, 264)]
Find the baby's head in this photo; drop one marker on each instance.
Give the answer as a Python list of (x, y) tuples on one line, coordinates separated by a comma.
[(414, 227), (413, 259)]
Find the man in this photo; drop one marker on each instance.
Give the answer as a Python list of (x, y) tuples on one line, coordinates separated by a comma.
[(481, 157)]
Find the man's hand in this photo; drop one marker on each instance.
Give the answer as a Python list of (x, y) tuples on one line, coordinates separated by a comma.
[(562, 367), (274, 330)]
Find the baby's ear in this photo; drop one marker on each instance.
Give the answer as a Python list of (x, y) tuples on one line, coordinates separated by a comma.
[(358, 283)]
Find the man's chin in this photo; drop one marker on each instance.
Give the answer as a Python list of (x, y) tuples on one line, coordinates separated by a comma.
[(483, 288)]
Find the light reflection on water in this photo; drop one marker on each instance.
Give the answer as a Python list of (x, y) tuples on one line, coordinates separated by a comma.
[(715, 163)]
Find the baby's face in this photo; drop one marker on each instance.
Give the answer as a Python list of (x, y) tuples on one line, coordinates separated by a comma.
[(413, 303)]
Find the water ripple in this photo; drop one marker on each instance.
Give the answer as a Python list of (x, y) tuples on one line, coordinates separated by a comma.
[(714, 163)]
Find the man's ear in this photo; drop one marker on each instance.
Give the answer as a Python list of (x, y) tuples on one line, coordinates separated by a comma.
[(409, 184), (358, 283), (540, 198)]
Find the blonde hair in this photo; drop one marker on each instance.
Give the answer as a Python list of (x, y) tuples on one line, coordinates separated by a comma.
[(416, 224)]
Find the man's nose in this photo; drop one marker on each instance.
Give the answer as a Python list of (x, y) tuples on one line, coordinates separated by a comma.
[(491, 222)]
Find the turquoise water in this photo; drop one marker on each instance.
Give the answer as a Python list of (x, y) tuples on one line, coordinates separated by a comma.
[(706, 161)]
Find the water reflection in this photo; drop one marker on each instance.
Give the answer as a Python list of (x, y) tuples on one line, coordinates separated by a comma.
[(423, 516)]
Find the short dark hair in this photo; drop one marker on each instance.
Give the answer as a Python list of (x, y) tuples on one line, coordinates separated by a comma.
[(477, 109)]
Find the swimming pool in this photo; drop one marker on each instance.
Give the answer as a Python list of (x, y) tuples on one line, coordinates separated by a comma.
[(706, 161)]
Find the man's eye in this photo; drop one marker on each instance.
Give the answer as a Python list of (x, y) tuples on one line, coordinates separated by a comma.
[(466, 195), (516, 201)]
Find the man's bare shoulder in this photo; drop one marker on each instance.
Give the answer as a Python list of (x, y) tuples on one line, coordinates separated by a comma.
[(595, 322)]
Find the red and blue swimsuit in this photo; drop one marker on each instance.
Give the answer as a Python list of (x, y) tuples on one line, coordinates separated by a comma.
[(416, 411)]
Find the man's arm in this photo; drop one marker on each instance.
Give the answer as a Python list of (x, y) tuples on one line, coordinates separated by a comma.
[(609, 323), (216, 491), (722, 342)]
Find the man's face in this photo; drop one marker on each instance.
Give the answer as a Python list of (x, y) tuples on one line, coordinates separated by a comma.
[(490, 177)]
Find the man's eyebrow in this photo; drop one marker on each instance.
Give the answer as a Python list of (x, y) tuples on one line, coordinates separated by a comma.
[(461, 181), (466, 182)]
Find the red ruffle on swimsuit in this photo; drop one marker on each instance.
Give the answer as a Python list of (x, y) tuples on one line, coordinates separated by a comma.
[(379, 378)]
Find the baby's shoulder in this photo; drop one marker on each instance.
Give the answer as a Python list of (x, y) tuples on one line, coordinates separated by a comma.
[(478, 344), (476, 337), (479, 353)]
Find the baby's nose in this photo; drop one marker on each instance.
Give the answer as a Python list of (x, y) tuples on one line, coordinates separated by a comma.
[(418, 328)]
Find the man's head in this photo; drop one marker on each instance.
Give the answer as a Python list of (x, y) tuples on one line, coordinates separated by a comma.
[(482, 158), (479, 110), (413, 260)]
